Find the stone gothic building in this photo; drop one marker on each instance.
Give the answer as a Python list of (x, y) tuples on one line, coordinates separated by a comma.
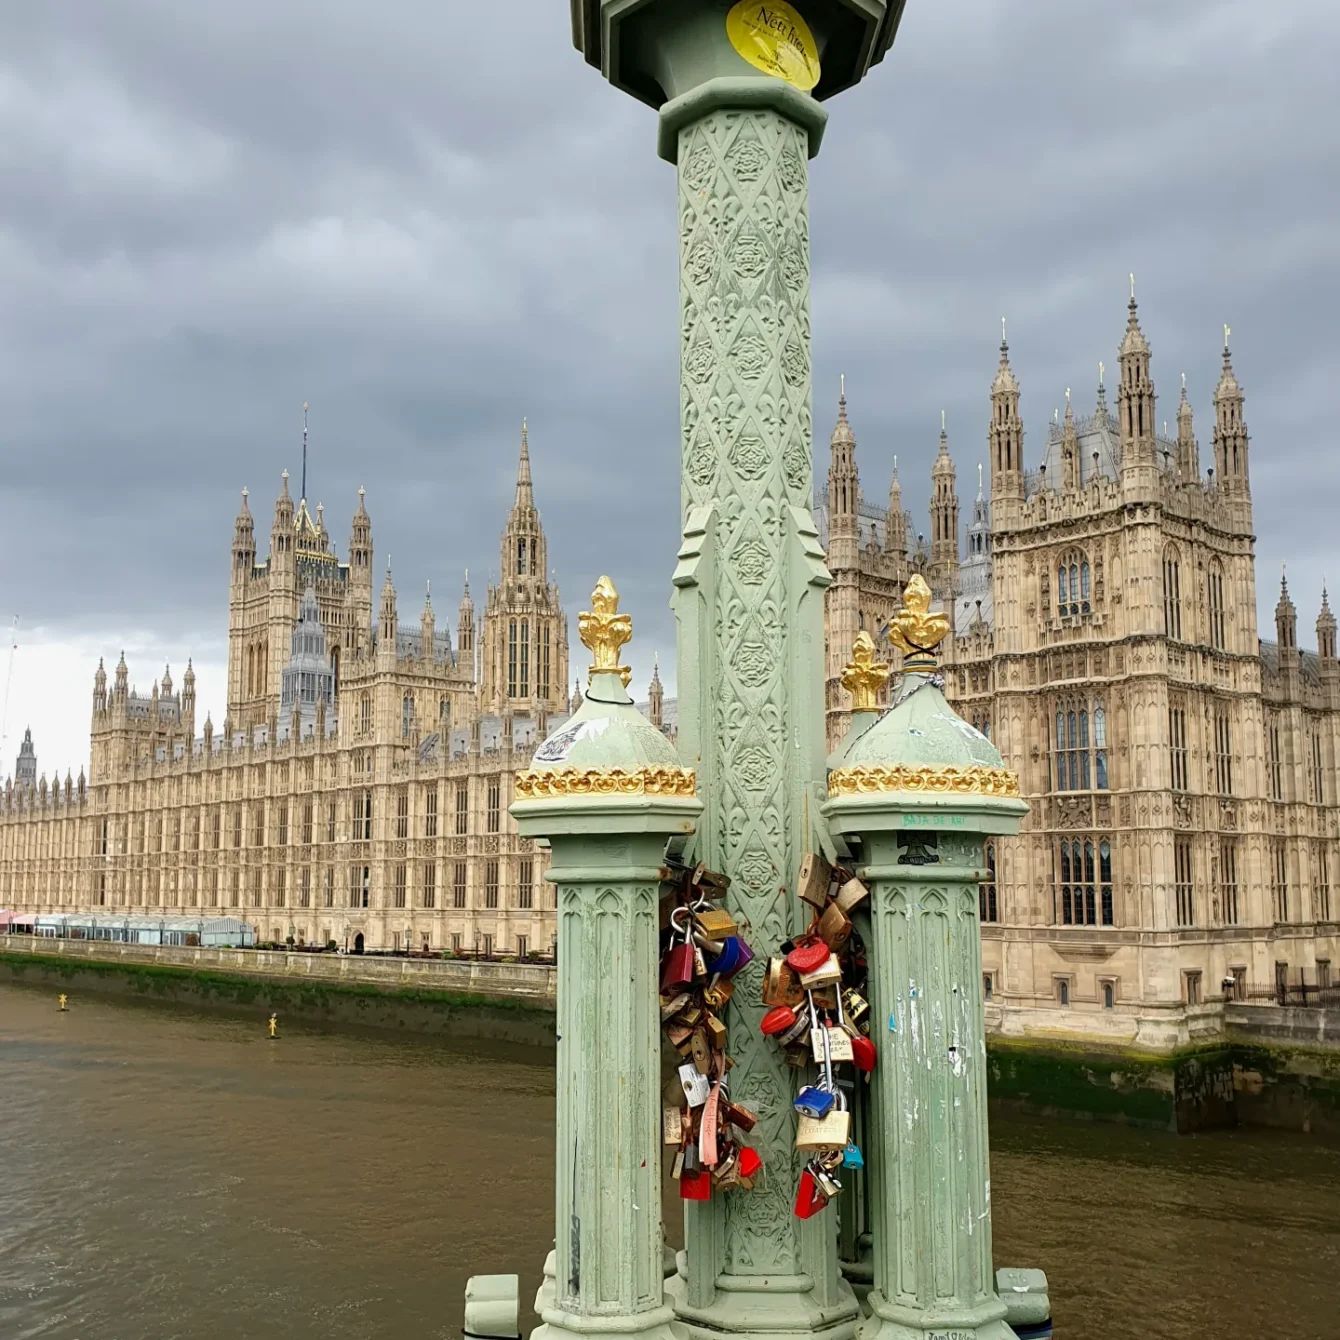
[(358, 788), (1180, 770)]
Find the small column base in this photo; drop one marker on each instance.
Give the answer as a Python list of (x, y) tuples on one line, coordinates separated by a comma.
[(765, 1308), (893, 1321), (658, 1324)]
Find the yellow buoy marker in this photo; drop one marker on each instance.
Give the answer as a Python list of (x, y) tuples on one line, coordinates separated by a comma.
[(63, 1003), (274, 1025)]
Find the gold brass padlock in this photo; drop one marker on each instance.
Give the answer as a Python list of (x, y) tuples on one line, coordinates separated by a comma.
[(855, 1005), (716, 1032), (671, 1005), (715, 924), (830, 1132), (834, 927), (720, 991), (851, 894), (781, 985), (672, 1126), (701, 1051), (830, 970), (815, 877)]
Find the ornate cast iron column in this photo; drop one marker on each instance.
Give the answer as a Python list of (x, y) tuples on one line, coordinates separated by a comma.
[(606, 791), (919, 792), (739, 90)]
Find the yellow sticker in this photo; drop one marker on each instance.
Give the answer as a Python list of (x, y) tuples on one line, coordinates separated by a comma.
[(772, 37)]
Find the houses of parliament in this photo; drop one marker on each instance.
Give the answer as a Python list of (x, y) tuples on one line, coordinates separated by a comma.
[(1180, 771)]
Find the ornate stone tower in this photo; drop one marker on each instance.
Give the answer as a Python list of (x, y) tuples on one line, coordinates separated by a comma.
[(525, 644), (944, 522), (842, 601), (25, 766)]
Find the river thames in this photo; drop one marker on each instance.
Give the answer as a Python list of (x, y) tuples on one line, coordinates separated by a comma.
[(178, 1176)]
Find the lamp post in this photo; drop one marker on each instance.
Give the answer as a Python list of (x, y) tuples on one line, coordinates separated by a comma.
[(739, 91)]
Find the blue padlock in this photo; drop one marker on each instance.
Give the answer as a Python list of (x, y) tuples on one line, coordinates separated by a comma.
[(852, 1156), (813, 1102)]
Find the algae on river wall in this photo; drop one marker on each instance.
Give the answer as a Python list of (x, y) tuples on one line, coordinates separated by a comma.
[(345, 1004)]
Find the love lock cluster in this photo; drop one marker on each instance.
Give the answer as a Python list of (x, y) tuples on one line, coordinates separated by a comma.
[(819, 1016), (702, 953)]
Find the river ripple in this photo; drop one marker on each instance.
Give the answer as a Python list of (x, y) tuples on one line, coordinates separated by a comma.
[(169, 1175)]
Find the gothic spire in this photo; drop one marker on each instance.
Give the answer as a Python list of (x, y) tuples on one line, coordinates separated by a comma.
[(525, 494)]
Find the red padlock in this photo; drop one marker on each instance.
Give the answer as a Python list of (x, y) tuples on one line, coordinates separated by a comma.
[(677, 969), (750, 1162), (809, 953), (809, 1198), (695, 1186), (863, 1053), (777, 1020)]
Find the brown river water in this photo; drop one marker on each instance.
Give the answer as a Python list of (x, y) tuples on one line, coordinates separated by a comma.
[(167, 1175)]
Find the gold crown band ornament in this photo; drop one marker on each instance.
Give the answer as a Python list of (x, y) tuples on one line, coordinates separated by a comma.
[(915, 631), (864, 676), (535, 785), (960, 781), (604, 630)]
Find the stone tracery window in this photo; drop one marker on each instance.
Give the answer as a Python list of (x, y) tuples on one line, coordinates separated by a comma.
[(1072, 584), (1172, 592), (1082, 882), (1079, 745), (1214, 584)]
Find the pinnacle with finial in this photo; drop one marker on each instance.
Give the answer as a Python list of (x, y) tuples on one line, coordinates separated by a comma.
[(605, 631), (915, 631)]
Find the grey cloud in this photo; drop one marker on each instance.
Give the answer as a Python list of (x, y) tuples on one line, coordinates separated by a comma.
[(430, 220)]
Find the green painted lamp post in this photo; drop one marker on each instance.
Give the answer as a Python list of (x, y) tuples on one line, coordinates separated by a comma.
[(607, 792), (918, 793), (739, 91)]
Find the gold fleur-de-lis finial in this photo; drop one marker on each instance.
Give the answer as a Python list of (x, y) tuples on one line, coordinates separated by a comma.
[(605, 631), (915, 631), (864, 676)]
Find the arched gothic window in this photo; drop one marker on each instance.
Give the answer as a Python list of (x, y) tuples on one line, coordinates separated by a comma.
[(1072, 584), (1079, 745), (406, 716), (1215, 592), (1083, 882), (1172, 592), (987, 906), (365, 714)]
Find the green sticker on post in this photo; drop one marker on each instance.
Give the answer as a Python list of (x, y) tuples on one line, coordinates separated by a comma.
[(773, 38)]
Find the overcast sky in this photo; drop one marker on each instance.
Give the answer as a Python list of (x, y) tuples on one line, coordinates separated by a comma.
[(429, 219)]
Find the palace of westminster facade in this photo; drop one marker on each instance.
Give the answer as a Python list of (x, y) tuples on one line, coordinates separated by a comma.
[(1181, 773)]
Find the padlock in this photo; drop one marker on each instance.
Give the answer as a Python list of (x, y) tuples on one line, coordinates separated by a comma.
[(750, 1161), (834, 927), (692, 1016), (825, 971), (695, 1185), (852, 1156), (696, 1085), (716, 1032), (826, 1182), (863, 1053), (727, 1172), (797, 1034), (809, 1198), (715, 923), (672, 1126), (837, 1041), (781, 986), (734, 956), (832, 1130), (673, 1093), (852, 893), (814, 1103), (777, 1021), (808, 954), (701, 1051), (798, 1058), (677, 1167), (854, 1005), (671, 1005), (699, 963), (709, 883), (813, 881), (678, 1036), (692, 1163), (677, 966), (739, 1115), (718, 992)]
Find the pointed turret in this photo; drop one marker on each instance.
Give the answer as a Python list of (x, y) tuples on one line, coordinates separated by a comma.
[(121, 684), (1101, 413), (388, 625), (360, 541), (1230, 430), (576, 700), (895, 535), (944, 518), (1135, 397), (188, 700), (1286, 619), (656, 696), (25, 768), (525, 492), (100, 688), (1005, 437), (1070, 463), (1188, 453), (281, 532), (844, 485), (244, 542), (427, 625), (465, 626), (1325, 629), (167, 681)]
